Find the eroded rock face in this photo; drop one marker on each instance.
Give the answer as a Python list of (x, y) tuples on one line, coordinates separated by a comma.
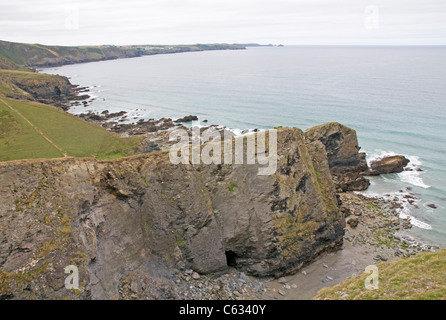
[(145, 215), (52, 89), (344, 159), (392, 164)]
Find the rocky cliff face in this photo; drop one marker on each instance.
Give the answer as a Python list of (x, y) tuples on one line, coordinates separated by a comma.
[(146, 216), (50, 89), (347, 164)]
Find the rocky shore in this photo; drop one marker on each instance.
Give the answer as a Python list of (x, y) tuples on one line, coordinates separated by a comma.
[(304, 228), (374, 233), (54, 90), (143, 228), (178, 243)]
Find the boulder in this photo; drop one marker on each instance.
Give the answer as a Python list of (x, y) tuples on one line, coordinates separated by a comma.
[(353, 222), (392, 164), (406, 223), (187, 119)]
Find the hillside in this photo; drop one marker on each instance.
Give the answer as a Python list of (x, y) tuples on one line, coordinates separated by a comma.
[(36, 55), (7, 64), (422, 277), (30, 130)]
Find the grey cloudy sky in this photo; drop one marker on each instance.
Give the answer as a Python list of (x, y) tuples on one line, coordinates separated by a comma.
[(318, 22)]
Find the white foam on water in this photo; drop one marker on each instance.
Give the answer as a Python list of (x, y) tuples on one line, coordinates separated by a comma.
[(411, 176), (403, 212), (379, 154), (235, 131), (244, 132), (92, 96)]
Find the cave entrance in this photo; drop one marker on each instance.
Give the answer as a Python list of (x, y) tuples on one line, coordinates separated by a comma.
[(231, 258)]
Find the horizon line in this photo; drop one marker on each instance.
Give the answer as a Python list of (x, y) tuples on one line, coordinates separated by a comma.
[(246, 44)]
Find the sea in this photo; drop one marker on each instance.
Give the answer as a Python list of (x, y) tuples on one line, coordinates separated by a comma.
[(393, 96)]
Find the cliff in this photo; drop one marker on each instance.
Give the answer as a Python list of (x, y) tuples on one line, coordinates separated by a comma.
[(50, 89), (347, 165), (146, 216)]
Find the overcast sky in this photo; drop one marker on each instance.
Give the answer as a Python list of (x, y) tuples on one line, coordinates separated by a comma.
[(318, 22)]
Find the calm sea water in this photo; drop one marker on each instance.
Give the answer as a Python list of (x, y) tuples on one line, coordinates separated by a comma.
[(395, 97)]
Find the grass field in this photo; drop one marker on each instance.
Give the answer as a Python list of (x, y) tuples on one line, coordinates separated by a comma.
[(27, 75), (20, 139), (32, 130), (422, 277)]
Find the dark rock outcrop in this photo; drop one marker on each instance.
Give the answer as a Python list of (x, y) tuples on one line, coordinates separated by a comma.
[(50, 89), (187, 119), (345, 161), (392, 164), (145, 215)]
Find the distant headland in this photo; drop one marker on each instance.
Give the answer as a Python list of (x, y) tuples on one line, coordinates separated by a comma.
[(38, 55)]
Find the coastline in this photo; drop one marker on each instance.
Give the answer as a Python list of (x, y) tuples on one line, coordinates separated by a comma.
[(374, 232), (378, 236)]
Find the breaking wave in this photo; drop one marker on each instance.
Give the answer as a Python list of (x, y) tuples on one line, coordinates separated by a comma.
[(413, 173)]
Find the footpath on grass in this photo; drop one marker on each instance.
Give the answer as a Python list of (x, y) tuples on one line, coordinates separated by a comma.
[(35, 128)]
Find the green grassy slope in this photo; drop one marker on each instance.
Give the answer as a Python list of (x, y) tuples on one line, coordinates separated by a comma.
[(8, 88), (422, 277), (18, 140), (7, 64), (32, 130), (21, 53), (32, 85), (76, 137)]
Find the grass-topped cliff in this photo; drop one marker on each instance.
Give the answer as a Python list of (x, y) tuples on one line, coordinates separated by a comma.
[(37, 55), (422, 277), (31, 130)]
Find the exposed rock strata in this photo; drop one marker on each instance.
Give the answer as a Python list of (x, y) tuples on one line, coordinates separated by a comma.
[(50, 89), (346, 163), (145, 215)]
